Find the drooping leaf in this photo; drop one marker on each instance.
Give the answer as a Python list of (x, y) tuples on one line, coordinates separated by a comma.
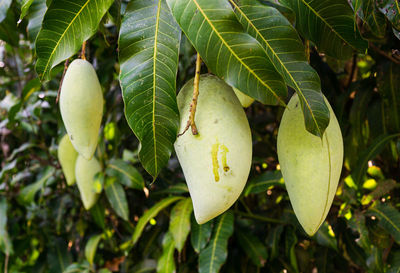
[(389, 219), (4, 6), (263, 182), (66, 25), (391, 9), (200, 234), (229, 52), (91, 247), (374, 149), (98, 214), (117, 197), (214, 255), (125, 174), (329, 24), (25, 8), (27, 194), (286, 51), (290, 244), (5, 241), (273, 241), (166, 263), (8, 28), (58, 257), (179, 225), (149, 49), (36, 14), (151, 213), (253, 247)]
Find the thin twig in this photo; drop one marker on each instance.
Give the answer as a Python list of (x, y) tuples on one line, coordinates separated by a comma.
[(383, 53), (83, 52), (6, 264), (62, 79), (259, 217), (307, 50), (193, 104)]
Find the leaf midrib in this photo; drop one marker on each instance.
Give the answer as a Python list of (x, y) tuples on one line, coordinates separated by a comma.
[(386, 218), (118, 200), (214, 246), (233, 53), (61, 37)]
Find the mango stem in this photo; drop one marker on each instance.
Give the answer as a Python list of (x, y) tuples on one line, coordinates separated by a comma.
[(83, 52), (62, 79)]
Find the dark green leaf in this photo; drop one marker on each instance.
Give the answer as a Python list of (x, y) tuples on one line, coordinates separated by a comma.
[(117, 197), (58, 257), (214, 255), (166, 263), (357, 222), (8, 28), (151, 213), (66, 25), (286, 52), (273, 241), (5, 241), (24, 8), (36, 14), (4, 6), (325, 237), (200, 234), (213, 29), (389, 219), (373, 22), (391, 9), (329, 24), (148, 53), (290, 244), (374, 261), (179, 225), (354, 252), (373, 150), (256, 251), (91, 247), (263, 182), (125, 174), (98, 214), (83, 267)]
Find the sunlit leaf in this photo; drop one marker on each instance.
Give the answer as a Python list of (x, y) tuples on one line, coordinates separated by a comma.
[(91, 247), (179, 225), (166, 263), (24, 8), (148, 53)]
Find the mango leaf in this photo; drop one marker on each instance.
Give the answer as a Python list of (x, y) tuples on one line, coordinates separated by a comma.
[(373, 150), (388, 86), (36, 14), (83, 267), (214, 255), (5, 241), (357, 223), (179, 225), (166, 263), (8, 28), (66, 25), (273, 241), (27, 194), (148, 53), (4, 6), (25, 8), (326, 238), (290, 244), (329, 24), (200, 234), (261, 183), (286, 52), (391, 9), (117, 197), (58, 258), (98, 214), (256, 250), (229, 52), (389, 219), (91, 247), (125, 174), (374, 23), (150, 214)]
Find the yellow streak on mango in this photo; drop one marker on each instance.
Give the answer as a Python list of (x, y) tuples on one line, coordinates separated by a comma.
[(214, 157), (224, 151)]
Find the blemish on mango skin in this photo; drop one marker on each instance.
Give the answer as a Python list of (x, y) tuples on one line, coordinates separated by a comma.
[(224, 151), (214, 156)]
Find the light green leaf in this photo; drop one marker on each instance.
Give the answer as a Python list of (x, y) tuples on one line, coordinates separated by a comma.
[(261, 183), (66, 25), (229, 52), (5, 241), (329, 24), (150, 214), (389, 219), (24, 8), (200, 234), (125, 174), (253, 247), (285, 50), (214, 255), (166, 263), (27, 194), (179, 225), (117, 197), (91, 247), (4, 6), (148, 53)]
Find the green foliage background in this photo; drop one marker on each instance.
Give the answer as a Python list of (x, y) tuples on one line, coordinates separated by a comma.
[(143, 221)]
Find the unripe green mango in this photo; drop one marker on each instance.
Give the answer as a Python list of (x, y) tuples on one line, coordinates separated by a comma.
[(216, 162), (310, 166), (85, 171), (81, 105), (67, 157), (245, 100)]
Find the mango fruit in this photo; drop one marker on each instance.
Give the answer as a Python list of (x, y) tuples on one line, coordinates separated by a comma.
[(245, 100), (67, 158), (81, 105), (85, 171), (310, 166), (216, 162)]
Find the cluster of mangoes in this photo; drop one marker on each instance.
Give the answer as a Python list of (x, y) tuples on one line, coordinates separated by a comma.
[(81, 105)]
